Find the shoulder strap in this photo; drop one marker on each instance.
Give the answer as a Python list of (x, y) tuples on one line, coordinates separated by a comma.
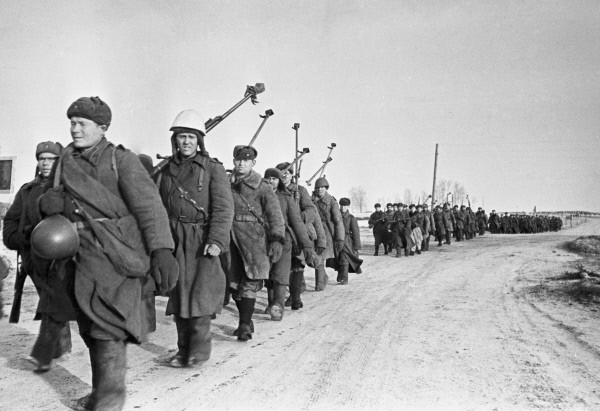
[(250, 208)]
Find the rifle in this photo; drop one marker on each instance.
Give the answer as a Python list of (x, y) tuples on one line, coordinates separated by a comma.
[(15, 311)]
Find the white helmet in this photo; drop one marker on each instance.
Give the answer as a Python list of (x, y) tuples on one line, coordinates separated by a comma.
[(189, 119)]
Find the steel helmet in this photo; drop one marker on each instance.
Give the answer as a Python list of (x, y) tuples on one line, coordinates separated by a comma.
[(54, 238), (321, 182), (189, 119)]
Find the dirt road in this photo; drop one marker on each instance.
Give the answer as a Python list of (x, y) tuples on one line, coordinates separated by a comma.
[(459, 327)]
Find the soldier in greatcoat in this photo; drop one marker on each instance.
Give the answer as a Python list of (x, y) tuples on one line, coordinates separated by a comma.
[(333, 225), (348, 260), (459, 217), (296, 242), (440, 227), (257, 236), (378, 221), (428, 227), (124, 234), (316, 233), (195, 191), (449, 222), (416, 225), (54, 338)]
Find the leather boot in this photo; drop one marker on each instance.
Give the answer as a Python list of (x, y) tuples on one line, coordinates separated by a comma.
[(200, 340), (376, 251), (296, 279), (246, 310), (109, 366), (179, 360), (398, 254), (269, 300), (343, 273), (278, 302), (321, 278), (236, 332)]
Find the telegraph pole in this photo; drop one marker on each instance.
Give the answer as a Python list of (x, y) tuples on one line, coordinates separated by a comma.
[(434, 174)]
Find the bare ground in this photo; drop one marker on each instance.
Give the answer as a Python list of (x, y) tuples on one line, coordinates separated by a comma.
[(478, 325)]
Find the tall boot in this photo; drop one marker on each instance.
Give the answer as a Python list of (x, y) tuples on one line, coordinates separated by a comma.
[(246, 327), (269, 300), (200, 340), (237, 330), (278, 302), (296, 279), (182, 325), (109, 366), (376, 250), (321, 277), (398, 253), (343, 273)]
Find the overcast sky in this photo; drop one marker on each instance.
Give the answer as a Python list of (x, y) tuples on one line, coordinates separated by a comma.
[(510, 90)]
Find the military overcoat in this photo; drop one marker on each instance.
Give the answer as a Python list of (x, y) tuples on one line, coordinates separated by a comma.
[(201, 285), (257, 222)]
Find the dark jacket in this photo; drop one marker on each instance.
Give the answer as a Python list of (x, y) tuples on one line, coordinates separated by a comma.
[(310, 215), (110, 182), (351, 245), (257, 222), (20, 219), (440, 223), (201, 285), (449, 221), (331, 217), (296, 237), (378, 222)]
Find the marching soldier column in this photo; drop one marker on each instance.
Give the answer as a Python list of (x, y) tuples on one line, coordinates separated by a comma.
[(100, 238)]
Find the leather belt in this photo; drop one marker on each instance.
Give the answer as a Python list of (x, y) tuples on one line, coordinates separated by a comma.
[(188, 220)]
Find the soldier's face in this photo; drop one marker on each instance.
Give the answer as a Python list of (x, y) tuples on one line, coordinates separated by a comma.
[(243, 167), (344, 208), (321, 191), (286, 177), (187, 144), (86, 133), (389, 208), (274, 182), (45, 163)]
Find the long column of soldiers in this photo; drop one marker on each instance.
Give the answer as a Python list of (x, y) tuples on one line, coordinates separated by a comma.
[(410, 227), (101, 233)]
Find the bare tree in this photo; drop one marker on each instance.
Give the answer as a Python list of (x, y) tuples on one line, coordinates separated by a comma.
[(358, 197)]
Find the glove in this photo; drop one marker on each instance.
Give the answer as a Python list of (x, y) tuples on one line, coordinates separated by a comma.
[(52, 202), (320, 250), (309, 256), (165, 270), (339, 246), (275, 251)]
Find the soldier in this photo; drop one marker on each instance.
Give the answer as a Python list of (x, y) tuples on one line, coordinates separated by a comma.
[(54, 339), (296, 242), (481, 220), (416, 224), (348, 260), (428, 227), (440, 227), (388, 238), (449, 222), (404, 230), (459, 217), (196, 193), (505, 224), (116, 207), (494, 222), (331, 218), (257, 236), (377, 222), (311, 219)]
